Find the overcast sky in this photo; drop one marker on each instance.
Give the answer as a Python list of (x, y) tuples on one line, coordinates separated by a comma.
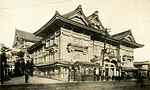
[(119, 15)]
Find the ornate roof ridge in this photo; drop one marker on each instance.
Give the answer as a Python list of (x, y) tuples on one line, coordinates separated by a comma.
[(124, 32), (27, 35), (78, 9), (95, 21)]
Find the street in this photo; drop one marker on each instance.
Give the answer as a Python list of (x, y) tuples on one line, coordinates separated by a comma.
[(36, 83)]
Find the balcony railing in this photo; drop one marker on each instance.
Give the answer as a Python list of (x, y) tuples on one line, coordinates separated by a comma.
[(52, 48), (128, 56)]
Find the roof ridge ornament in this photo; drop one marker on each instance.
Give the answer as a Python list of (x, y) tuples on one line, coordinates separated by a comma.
[(96, 12), (80, 6), (56, 12)]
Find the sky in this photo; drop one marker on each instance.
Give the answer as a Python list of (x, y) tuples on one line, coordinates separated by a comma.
[(119, 15)]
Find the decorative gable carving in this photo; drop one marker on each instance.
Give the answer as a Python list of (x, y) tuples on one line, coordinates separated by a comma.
[(78, 19), (24, 39), (77, 15), (126, 35), (130, 38), (95, 21), (18, 42)]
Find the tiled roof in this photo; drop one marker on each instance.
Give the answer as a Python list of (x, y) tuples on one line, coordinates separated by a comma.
[(121, 35), (96, 18), (129, 68), (67, 15), (77, 11), (142, 63), (27, 36), (96, 23), (84, 63), (86, 24), (55, 63)]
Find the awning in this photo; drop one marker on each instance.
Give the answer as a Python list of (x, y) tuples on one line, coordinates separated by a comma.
[(62, 63), (55, 63), (145, 69), (129, 68), (43, 64), (83, 63)]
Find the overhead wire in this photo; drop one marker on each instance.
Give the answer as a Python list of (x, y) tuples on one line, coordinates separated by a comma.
[(22, 19), (34, 5), (16, 18)]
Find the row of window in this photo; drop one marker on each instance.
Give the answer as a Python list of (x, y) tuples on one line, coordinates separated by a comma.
[(38, 52), (40, 60)]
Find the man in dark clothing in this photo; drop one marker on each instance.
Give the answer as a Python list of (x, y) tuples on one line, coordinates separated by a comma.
[(142, 81), (26, 76)]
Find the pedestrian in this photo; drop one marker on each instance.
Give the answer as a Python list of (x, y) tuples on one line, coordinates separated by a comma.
[(26, 76), (142, 81)]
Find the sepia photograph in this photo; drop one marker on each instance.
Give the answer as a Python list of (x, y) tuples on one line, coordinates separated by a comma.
[(74, 44)]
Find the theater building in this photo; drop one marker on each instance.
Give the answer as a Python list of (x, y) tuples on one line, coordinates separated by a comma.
[(76, 47)]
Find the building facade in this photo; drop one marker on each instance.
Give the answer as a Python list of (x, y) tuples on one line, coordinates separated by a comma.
[(75, 47), (5, 67), (144, 68)]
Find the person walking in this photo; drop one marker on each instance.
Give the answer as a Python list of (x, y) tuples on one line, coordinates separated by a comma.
[(142, 81), (26, 76)]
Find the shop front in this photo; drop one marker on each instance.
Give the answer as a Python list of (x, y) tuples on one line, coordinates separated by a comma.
[(86, 71)]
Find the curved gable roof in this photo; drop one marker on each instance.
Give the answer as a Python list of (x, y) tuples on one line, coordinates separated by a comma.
[(95, 21), (127, 38), (77, 14), (124, 35), (27, 36)]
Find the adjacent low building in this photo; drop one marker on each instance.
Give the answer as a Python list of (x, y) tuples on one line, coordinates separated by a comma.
[(76, 47), (144, 67), (5, 67)]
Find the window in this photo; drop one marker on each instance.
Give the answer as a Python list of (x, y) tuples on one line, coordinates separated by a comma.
[(51, 42), (96, 50), (35, 61), (129, 60), (106, 65), (112, 65), (47, 43), (44, 59)]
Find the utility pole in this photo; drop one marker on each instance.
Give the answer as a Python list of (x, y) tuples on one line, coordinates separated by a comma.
[(25, 51), (119, 58), (3, 60), (103, 53), (2, 65)]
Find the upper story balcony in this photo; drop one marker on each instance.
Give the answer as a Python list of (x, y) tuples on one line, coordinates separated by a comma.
[(52, 48), (127, 57)]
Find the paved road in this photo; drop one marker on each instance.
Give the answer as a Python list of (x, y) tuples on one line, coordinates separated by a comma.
[(36, 83), (32, 80), (78, 86)]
